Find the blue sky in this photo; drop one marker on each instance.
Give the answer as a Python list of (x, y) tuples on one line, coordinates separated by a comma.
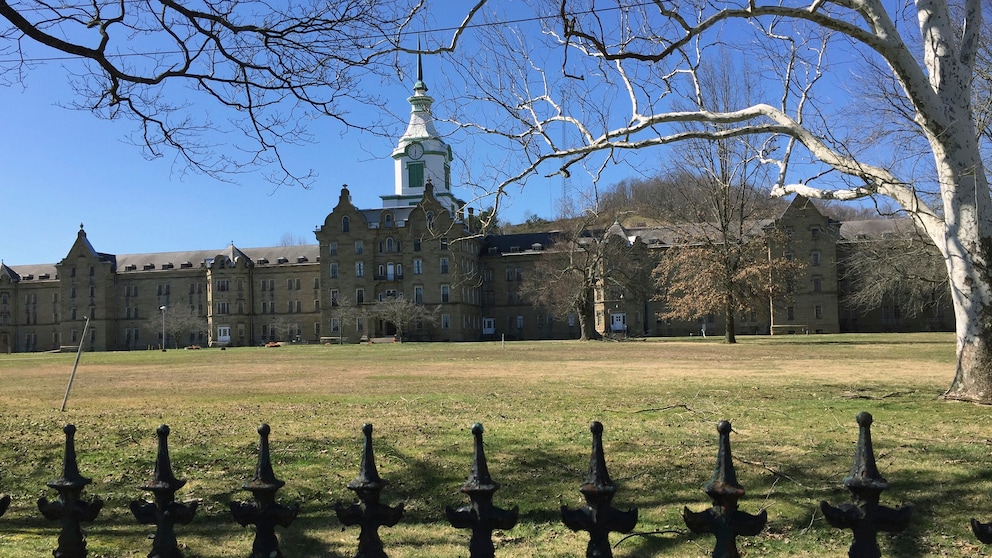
[(63, 167)]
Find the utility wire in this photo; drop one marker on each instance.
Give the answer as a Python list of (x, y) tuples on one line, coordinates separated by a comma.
[(43, 59)]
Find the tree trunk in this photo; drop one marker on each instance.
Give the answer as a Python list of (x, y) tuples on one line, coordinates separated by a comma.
[(729, 335), (587, 320), (966, 244), (971, 285)]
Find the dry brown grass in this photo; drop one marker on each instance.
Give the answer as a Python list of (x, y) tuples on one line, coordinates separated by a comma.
[(792, 402)]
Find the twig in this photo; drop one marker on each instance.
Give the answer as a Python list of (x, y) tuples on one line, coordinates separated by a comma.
[(775, 472), (667, 407), (649, 533)]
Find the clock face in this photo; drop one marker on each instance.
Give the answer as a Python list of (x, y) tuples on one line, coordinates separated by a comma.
[(415, 150)]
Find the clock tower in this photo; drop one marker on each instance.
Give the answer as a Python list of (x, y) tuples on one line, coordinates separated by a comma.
[(421, 156)]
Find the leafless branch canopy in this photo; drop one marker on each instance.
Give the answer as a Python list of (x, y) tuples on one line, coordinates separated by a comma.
[(265, 68), (600, 80)]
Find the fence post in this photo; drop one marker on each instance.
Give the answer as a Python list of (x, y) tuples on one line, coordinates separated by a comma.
[(164, 512), (865, 517), (4, 504), (69, 508), (598, 516), (369, 514), (264, 512), (724, 519), (482, 517)]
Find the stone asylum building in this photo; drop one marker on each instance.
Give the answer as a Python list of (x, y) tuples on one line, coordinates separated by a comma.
[(418, 245)]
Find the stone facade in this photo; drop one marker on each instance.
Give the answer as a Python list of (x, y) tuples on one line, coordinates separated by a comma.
[(418, 246)]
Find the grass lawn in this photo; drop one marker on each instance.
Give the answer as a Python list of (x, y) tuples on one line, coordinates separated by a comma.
[(792, 401)]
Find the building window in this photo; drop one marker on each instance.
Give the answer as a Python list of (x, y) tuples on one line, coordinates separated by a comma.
[(445, 293), (359, 296), (418, 294), (444, 265), (415, 175), (387, 220), (815, 233), (334, 270), (265, 307), (264, 285), (818, 312), (790, 313), (223, 285), (332, 248), (223, 308), (444, 243), (359, 324), (815, 258), (316, 283), (359, 247), (345, 224), (359, 269), (817, 285), (418, 266), (335, 325), (445, 321), (520, 322), (416, 245), (334, 297)]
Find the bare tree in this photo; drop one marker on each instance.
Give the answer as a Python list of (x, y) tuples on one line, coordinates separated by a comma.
[(696, 278), (902, 265), (182, 320), (266, 69), (629, 60), (346, 314), (402, 312), (578, 264), (289, 239)]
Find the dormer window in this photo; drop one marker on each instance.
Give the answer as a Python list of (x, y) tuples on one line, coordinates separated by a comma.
[(387, 220)]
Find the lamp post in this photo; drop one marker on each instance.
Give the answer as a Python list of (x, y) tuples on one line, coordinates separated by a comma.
[(162, 308)]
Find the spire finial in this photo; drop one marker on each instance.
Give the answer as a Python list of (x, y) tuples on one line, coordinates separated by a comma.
[(420, 65)]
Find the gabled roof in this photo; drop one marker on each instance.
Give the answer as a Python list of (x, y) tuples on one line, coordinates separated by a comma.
[(876, 229), (522, 242), (5, 270)]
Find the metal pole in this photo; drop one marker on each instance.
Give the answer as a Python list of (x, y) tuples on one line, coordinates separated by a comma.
[(79, 351), (162, 308)]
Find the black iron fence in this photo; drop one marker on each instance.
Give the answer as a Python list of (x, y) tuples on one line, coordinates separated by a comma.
[(864, 516)]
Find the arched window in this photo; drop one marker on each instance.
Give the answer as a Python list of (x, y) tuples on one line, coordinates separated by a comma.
[(345, 224), (389, 245), (430, 219), (387, 220)]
